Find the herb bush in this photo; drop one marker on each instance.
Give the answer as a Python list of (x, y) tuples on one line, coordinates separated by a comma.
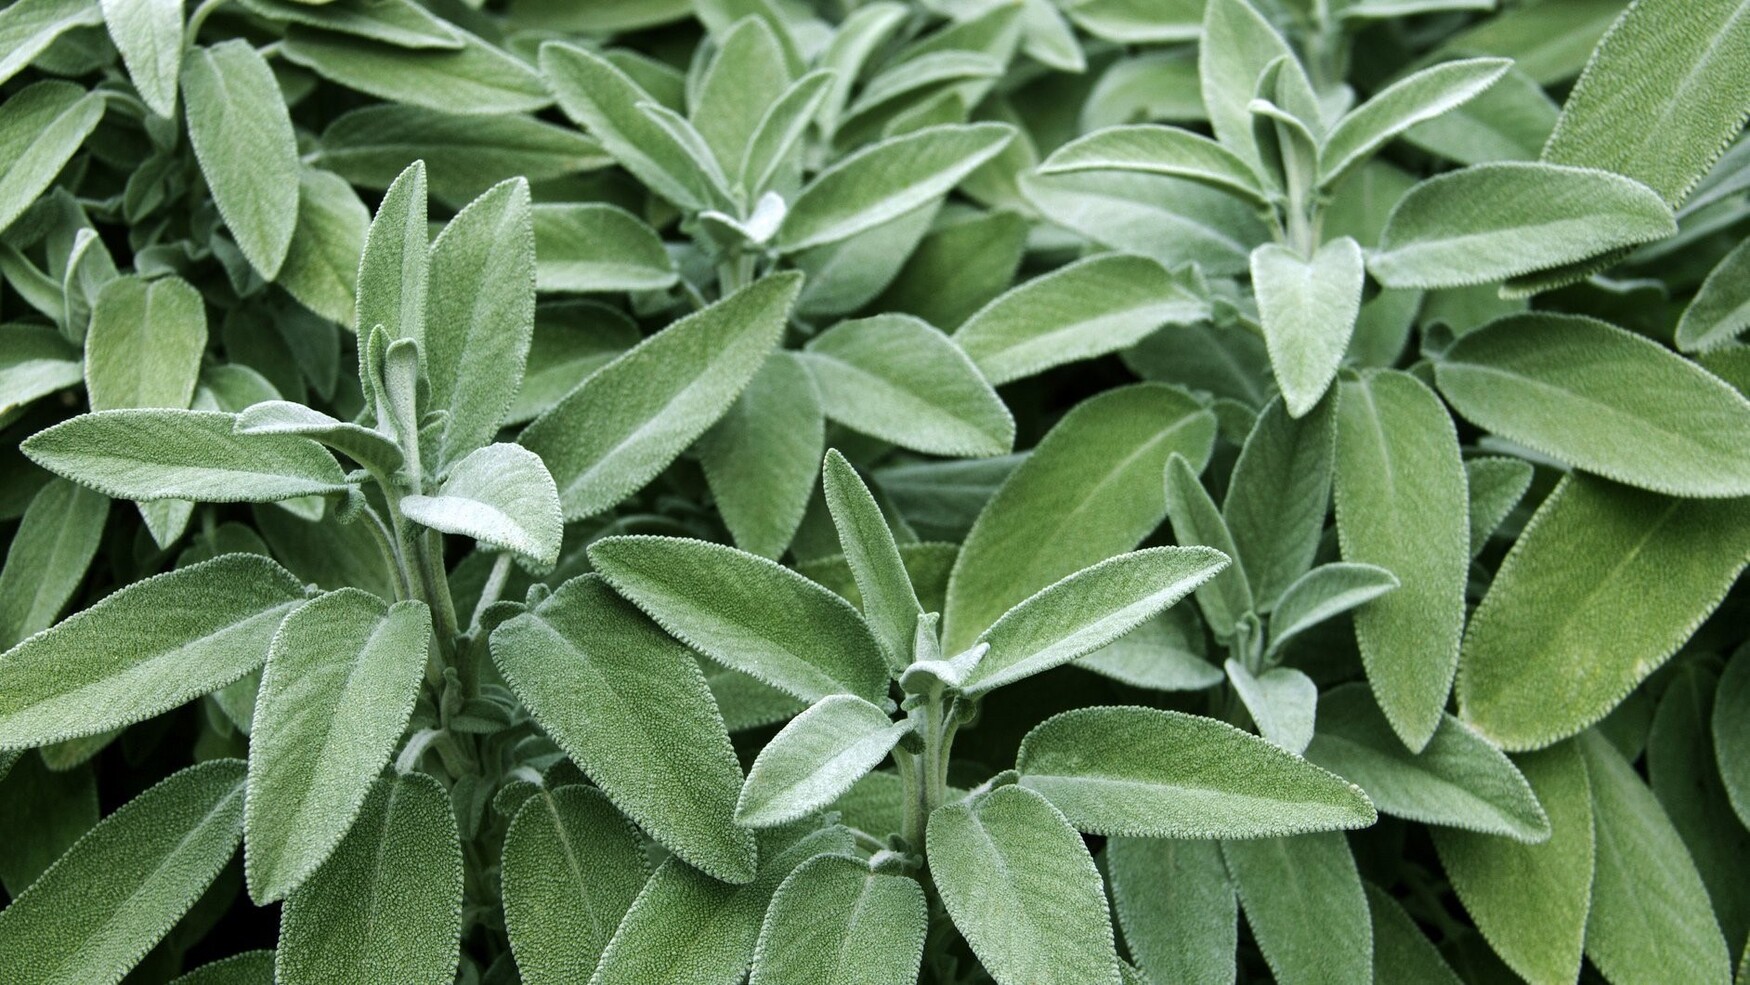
[(647, 491)]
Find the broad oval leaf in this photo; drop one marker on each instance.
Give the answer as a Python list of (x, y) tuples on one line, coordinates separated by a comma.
[(1143, 772), (1020, 886), (760, 458), (321, 268), (476, 78), (815, 758), (242, 135), (1304, 901), (1177, 908), (836, 922), (1604, 399), (41, 127), (95, 913), (1278, 496), (1307, 308), (29, 28), (588, 247), (630, 706), (1238, 43), (1159, 150), (387, 907), (145, 344), (1603, 586), (500, 495), (342, 674), (144, 650), (1325, 592)]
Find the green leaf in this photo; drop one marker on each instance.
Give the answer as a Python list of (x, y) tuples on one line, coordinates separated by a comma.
[(248, 968), (321, 268), (29, 27), (1165, 653), (632, 418), (395, 268), (500, 495), (144, 650), (1143, 772), (1603, 586), (44, 812), (242, 136), (1531, 900), (1401, 954), (748, 613), (1170, 220), (1490, 222), (572, 867), (1091, 489), (95, 913), (41, 127), (478, 78), (815, 758), (1662, 95), (1496, 487), (572, 340), (1604, 399), (35, 361), (47, 559), (1177, 908), (1305, 904), (388, 905), (148, 33), (630, 706), (1411, 100), (1080, 311), (1020, 886), (183, 454), (1152, 149), (1731, 732), (747, 75), (1720, 311), (1136, 21), (887, 180), (583, 248), (760, 457), (1651, 920), (1282, 702), (889, 602), (1326, 592), (1458, 780), (1226, 598), (341, 677), (901, 380), (1278, 495), (780, 131), (145, 344), (401, 23), (1238, 44), (1402, 505), (834, 921), (364, 445), (1308, 310)]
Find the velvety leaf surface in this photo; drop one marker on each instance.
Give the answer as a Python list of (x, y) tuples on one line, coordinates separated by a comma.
[(242, 135), (48, 557), (1305, 904), (502, 496), (1308, 309), (42, 126), (145, 343), (835, 922), (1177, 908), (815, 758), (888, 600), (1278, 496)]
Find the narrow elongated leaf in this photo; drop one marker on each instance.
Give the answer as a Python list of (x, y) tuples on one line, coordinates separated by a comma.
[(41, 127), (1238, 44), (148, 33), (183, 454), (1020, 886), (29, 27), (630, 706), (1278, 496), (588, 247), (1171, 220), (1159, 150), (95, 913), (836, 922), (388, 906), (35, 361), (1731, 733), (1324, 593), (46, 561), (1496, 487), (1143, 772), (395, 269), (1305, 904), (145, 344), (1401, 105), (780, 132), (1605, 399), (1402, 505), (341, 677), (1227, 597), (1091, 489), (630, 419), (1603, 586), (477, 78), (44, 812), (747, 75), (1531, 900), (572, 867), (1282, 702), (364, 445), (144, 650), (1401, 954), (1177, 908), (1720, 311), (748, 613), (242, 136), (1308, 310), (321, 268), (397, 22), (889, 602), (815, 758), (1651, 920), (1494, 221), (1086, 309), (500, 495)]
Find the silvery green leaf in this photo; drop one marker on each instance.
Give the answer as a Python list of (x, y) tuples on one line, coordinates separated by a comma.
[(572, 867), (1177, 908), (901, 380), (247, 968), (774, 142), (586, 247), (1018, 883), (815, 758), (746, 77), (834, 921), (95, 913), (844, 276), (1091, 489), (145, 344), (1143, 772), (35, 361), (1161, 150), (1604, 578), (388, 905), (1731, 732), (48, 557), (401, 23), (889, 602), (342, 674), (847, 55), (242, 135), (1171, 220), (29, 27), (395, 268), (1278, 496), (44, 812), (1326, 592), (1238, 43), (1137, 21), (500, 495), (1510, 121), (1720, 311), (1604, 399), (630, 419), (1308, 310), (1496, 487), (1086, 309), (1401, 954), (760, 458), (1411, 100), (1458, 780), (1225, 598), (1282, 702), (1402, 505), (748, 613), (144, 650), (476, 78), (630, 706), (41, 127), (1305, 904), (321, 268), (361, 444), (1490, 222), (148, 33), (1165, 653), (602, 15), (572, 340)]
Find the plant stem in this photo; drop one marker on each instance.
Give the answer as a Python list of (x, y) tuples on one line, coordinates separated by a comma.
[(494, 588)]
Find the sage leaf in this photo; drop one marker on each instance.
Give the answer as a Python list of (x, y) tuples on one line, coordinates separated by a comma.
[(889, 602), (630, 706), (95, 913), (1282, 702), (248, 968), (388, 904), (1142, 772), (396, 22), (342, 674), (1323, 593), (747, 75), (1170, 220), (145, 344), (571, 341), (144, 650), (41, 128), (45, 811), (500, 495), (1278, 496), (584, 248), (1731, 732), (1020, 886), (28, 28), (370, 448), (1496, 487), (760, 458), (1177, 908), (1308, 310), (321, 268), (1720, 311), (1238, 44), (35, 361), (395, 267), (1227, 597), (815, 758), (148, 33), (242, 135), (47, 559), (1165, 653), (836, 922), (1401, 954), (780, 131), (1305, 904), (476, 78), (1159, 150), (1403, 104)]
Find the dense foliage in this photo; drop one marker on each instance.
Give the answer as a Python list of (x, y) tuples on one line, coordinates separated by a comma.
[(857, 491)]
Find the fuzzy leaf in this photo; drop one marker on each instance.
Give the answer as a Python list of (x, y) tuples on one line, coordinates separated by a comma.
[(476, 78), (1225, 598), (401, 23), (1152, 149), (242, 135), (35, 361), (1278, 496), (1308, 310), (1305, 904), (1496, 487), (1282, 702), (1326, 592), (500, 495), (395, 269), (583, 248), (815, 758), (1165, 653), (836, 922), (247, 968), (889, 602), (47, 559), (364, 445), (41, 127), (29, 27), (1720, 311), (760, 458), (1401, 954), (1411, 100), (1238, 44), (321, 268), (1177, 908), (148, 33), (1731, 733)]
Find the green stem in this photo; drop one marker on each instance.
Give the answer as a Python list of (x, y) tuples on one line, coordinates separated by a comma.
[(494, 588)]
